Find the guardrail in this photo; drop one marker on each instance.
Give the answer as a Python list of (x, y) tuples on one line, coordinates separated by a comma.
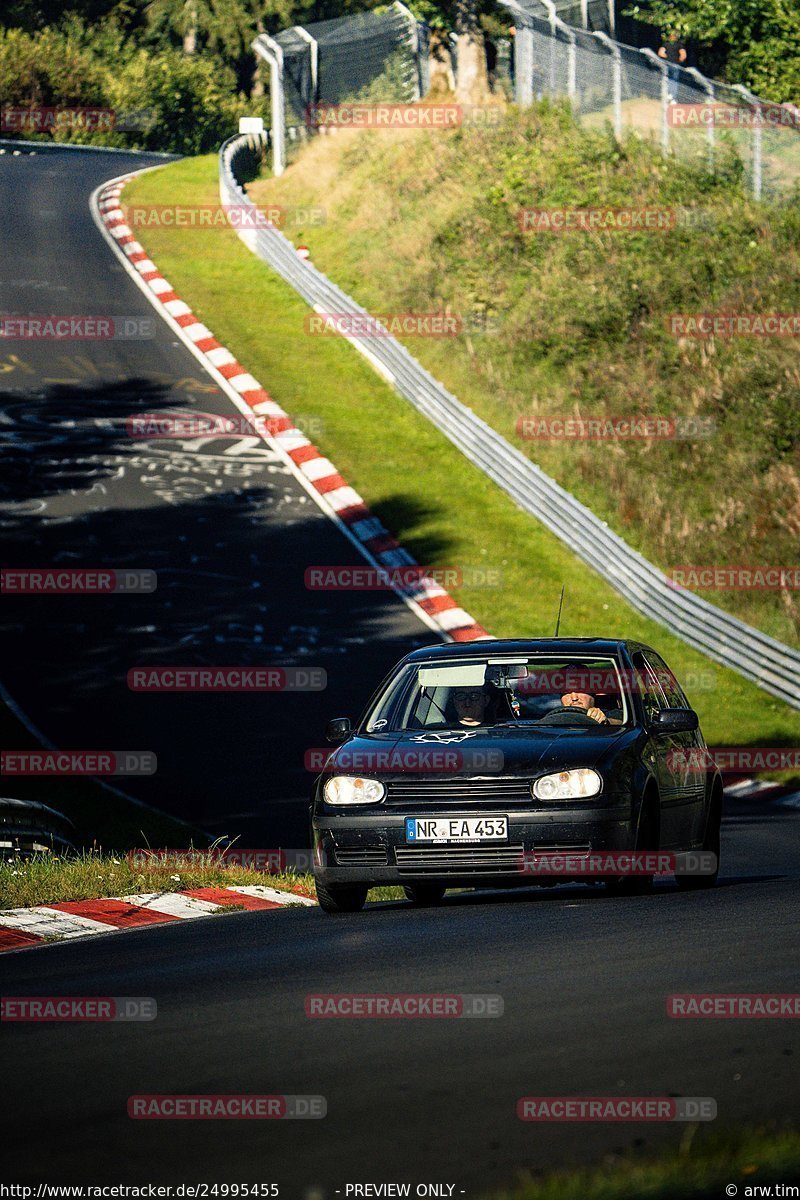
[(729, 641), (28, 827)]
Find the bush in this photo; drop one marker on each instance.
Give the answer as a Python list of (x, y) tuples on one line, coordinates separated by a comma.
[(182, 104)]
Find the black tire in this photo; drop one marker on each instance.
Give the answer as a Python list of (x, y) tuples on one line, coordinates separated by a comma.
[(341, 897), (711, 844), (647, 838), (424, 895)]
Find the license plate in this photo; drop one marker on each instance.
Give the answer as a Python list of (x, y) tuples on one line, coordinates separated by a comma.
[(456, 829)]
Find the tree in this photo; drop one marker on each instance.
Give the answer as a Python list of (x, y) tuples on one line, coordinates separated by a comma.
[(468, 20), (759, 39)]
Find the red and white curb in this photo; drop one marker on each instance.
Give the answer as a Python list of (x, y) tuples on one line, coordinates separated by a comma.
[(20, 927), (431, 603)]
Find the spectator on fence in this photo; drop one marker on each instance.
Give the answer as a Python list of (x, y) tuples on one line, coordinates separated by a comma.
[(674, 51)]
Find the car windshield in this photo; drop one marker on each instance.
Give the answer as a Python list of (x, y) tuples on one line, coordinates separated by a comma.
[(554, 691)]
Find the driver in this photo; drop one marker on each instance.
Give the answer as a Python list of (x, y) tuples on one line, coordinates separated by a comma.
[(471, 705), (586, 702)]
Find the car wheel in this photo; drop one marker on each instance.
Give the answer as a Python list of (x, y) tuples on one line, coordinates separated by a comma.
[(647, 838), (711, 844), (424, 895), (341, 897)]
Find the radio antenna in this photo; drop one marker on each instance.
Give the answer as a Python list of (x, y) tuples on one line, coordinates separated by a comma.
[(558, 618)]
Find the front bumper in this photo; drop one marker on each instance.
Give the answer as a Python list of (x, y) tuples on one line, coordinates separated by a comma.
[(371, 847)]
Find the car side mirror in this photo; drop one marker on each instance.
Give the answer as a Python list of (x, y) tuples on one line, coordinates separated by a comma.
[(676, 720), (338, 730)]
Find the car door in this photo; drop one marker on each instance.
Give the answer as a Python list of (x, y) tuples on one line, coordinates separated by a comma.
[(661, 752), (690, 762)]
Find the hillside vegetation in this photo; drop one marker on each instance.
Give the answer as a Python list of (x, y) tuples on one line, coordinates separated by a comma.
[(577, 322)]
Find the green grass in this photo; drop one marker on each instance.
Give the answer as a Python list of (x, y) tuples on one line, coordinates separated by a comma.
[(423, 221), (46, 879), (700, 1169), (442, 508)]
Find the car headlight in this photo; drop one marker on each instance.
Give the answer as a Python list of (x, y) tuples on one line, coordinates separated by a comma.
[(568, 785), (353, 789)]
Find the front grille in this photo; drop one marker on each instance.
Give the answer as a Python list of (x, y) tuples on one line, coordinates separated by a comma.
[(472, 860), (369, 856), (446, 793)]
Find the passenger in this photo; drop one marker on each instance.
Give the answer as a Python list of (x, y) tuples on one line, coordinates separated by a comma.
[(471, 706)]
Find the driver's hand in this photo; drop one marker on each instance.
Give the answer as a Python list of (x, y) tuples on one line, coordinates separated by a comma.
[(597, 714)]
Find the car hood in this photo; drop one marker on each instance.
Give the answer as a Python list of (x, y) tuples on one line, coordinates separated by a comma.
[(451, 753)]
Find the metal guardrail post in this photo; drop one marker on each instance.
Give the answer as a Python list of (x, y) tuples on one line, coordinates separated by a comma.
[(755, 105), (663, 67), (708, 88), (616, 77), (272, 52)]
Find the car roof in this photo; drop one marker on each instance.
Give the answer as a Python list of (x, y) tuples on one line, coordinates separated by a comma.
[(511, 646)]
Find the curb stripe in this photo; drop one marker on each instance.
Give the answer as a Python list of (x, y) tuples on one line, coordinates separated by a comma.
[(113, 912), (335, 495)]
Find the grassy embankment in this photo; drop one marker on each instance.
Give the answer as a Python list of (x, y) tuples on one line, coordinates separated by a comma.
[(421, 221), (441, 507)]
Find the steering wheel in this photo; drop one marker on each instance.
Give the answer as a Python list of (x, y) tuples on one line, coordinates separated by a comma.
[(566, 715)]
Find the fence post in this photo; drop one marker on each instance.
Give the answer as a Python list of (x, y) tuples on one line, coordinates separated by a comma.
[(663, 67), (523, 64), (314, 59), (612, 20), (415, 46), (572, 73), (708, 88), (585, 13), (271, 51), (755, 104), (616, 77), (552, 17)]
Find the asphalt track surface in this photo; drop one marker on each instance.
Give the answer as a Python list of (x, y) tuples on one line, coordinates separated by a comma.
[(584, 977), (228, 529)]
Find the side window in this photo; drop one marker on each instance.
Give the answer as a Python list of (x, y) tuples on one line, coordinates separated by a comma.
[(653, 698), (669, 684)]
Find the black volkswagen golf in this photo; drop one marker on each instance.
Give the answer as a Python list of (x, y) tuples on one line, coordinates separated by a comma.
[(496, 763)]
